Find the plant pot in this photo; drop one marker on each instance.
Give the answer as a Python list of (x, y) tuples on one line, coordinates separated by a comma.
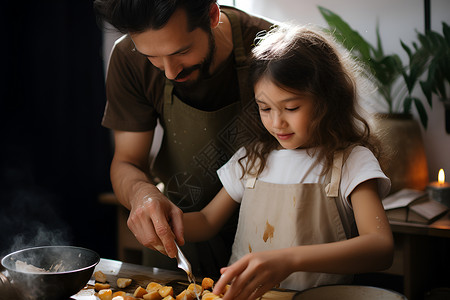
[(401, 137)]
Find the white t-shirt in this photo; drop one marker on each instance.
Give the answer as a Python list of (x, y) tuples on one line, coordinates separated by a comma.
[(297, 166)]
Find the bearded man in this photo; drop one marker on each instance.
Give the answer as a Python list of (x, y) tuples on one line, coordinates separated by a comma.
[(182, 63)]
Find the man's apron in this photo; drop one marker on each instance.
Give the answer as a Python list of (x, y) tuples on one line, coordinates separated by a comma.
[(195, 144), (276, 216)]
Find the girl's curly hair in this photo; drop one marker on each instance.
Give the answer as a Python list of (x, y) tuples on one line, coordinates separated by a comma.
[(305, 59)]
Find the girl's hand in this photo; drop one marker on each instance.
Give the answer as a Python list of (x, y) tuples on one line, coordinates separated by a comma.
[(253, 275)]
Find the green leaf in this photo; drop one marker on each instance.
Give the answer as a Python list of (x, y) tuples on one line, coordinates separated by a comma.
[(378, 52), (387, 69), (406, 48), (407, 105), (423, 39), (426, 89), (446, 32), (440, 83), (409, 80), (350, 38), (422, 112)]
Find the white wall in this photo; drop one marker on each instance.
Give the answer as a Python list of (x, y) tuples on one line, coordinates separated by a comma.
[(398, 19)]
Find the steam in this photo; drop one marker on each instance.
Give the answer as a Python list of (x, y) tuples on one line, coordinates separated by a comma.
[(30, 209), (39, 236), (30, 214), (30, 219), (27, 230)]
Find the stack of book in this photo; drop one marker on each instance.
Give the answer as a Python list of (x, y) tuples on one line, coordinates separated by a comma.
[(415, 206)]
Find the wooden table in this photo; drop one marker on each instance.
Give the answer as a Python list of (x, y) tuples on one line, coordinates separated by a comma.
[(142, 275), (420, 256)]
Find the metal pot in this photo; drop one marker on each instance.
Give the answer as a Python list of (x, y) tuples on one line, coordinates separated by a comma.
[(7, 291), (75, 268)]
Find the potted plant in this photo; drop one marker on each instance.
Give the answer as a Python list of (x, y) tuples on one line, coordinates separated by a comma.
[(436, 47), (387, 70), (395, 83)]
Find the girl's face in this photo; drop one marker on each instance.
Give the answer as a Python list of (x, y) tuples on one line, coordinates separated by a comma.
[(286, 115)]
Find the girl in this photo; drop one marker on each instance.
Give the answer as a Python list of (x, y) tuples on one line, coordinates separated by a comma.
[(309, 186)]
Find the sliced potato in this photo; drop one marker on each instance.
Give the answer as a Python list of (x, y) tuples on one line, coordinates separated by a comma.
[(166, 291), (152, 295), (105, 294), (100, 277), (207, 283), (210, 296), (186, 295), (123, 282), (119, 293), (101, 286), (197, 289), (139, 292), (153, 286)]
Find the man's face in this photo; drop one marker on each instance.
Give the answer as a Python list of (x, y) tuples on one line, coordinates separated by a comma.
[(185, 57)]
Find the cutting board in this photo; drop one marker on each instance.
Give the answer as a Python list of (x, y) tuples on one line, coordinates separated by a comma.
[(142, 276)]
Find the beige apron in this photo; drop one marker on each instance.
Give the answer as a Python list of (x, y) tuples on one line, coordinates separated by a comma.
[(195, 144), (275, 216)]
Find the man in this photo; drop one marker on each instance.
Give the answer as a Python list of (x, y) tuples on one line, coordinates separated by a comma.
[(182, 63)]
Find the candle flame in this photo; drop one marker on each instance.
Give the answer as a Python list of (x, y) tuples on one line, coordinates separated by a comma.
[(441, 176)]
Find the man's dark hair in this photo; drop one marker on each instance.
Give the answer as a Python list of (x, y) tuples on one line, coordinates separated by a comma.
[(140, 15)]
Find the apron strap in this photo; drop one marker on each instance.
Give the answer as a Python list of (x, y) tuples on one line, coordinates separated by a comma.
[(238, 44), (239, 57), (332, 189), (168, 89), (251, 179), (250, 183)]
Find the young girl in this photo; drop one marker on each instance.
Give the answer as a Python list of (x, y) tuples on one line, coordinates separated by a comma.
[(309, 187)]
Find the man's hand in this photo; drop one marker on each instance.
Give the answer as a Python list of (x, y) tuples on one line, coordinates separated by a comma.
[(156, 222)]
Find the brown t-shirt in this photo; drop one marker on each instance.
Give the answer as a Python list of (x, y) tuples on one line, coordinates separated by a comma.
[(134, 87)]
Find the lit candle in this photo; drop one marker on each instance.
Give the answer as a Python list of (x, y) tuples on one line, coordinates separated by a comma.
[(440, 190)]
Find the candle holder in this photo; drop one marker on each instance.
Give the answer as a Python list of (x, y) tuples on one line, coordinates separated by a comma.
[(440, 190)]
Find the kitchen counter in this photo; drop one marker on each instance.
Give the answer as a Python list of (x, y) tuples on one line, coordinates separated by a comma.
[(142, 275)]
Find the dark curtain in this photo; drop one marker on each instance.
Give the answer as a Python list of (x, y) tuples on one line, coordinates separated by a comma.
[(54, 153)]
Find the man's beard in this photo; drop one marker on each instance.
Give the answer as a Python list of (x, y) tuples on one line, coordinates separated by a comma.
[(203, 66)]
